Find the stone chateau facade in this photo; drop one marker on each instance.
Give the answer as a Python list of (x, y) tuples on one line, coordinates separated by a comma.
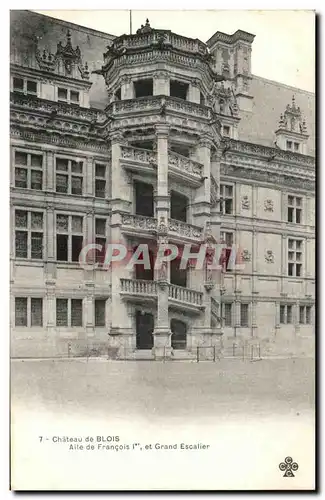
[(156, 138)]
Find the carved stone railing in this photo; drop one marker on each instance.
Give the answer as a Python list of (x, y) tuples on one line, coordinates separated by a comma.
[(190, 108), (187, 295), (156, 37), (139, 222), (184, 229), (138, 287), (156, 104), (138, 154), (59, 108), (184, 164)]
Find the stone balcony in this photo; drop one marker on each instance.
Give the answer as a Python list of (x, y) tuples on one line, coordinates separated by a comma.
[(141, 225), (156, 105), (156, 37), (179, 167), (146, 291)]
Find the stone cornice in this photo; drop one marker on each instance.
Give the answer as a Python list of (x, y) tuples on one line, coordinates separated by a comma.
[(268, 153), (262, 175), (219, 36)]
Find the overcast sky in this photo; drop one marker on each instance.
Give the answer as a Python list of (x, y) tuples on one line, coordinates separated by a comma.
[(283, 49)]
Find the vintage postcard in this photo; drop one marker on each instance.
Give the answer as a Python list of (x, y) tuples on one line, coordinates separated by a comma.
[(162, 262)]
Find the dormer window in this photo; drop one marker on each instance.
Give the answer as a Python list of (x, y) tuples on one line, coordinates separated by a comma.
[(69, 96), (74, 96), (18, 85), (62, 94), (27, 87)]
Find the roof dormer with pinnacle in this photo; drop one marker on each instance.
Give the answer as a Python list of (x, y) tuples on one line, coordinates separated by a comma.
[(66, 61), (59, 76), (291, 134)]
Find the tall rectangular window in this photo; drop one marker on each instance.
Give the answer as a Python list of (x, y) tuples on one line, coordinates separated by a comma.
[(28, 170), (28, 311), (36, 312), (100, 231), (28, 234), (226, 199), (227, 238), (69, 312), (228, 313), (100, 180), (76, 312), (25, 86), (294, 257), (21, 311), (294, 209), (285, 314), (243, 314), (61, 312), (69, 176), (100, 308), (69, 237), (305, 315)]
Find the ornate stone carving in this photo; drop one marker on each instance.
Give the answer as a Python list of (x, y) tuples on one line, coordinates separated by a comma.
[(223, 99), (144, 29), (66, 58), (268, 205), (185, 164), (292, 119), (162, 227), (245, 203), (139, 221), (184, 229), (246, 255), (269, 256), (138, 154)]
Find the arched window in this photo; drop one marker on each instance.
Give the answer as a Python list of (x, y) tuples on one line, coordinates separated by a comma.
[(179, 329)]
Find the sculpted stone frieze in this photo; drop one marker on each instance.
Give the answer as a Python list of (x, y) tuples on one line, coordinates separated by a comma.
[(59, 140)]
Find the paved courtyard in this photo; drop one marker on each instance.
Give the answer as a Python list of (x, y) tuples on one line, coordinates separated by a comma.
[(155, 389)]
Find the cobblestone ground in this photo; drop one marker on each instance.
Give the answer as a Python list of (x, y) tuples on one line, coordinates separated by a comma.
[(153, 390)]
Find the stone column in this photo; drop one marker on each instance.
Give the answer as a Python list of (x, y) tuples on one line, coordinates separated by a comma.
[(162, 333), (50, 311), (50, 243), (126, 88), (254, 323), (119, 322), (237, 316), (89, 308), (49, 184), (89, 177), (215, 207), (284, 260), (161, 83), (194, 91), (254, 201), (277, 317), (201, 205)]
